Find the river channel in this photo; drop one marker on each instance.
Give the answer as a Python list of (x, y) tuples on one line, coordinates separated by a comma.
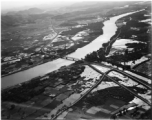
[(109, 30)]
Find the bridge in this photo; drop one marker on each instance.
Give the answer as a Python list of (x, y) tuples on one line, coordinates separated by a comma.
[(70, 58), (138, 80)]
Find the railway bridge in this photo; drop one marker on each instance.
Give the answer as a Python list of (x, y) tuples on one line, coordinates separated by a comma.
[(70, 58)]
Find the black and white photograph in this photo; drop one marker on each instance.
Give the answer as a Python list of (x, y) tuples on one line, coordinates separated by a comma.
[(76, 60)]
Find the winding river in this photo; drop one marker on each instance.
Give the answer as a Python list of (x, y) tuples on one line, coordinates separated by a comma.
[(109, 30)]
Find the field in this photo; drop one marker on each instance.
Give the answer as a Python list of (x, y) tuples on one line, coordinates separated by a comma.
[(24, 36), (97, 112), (144, 68), (47, 95), (104, 100)]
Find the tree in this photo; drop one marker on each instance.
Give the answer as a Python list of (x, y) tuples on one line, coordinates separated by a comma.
[(101, 54), (105, 44), (92, 57), (52, 115)]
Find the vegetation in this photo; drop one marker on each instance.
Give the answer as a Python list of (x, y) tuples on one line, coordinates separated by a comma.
[(34, 87), (146, 115), (99, 98), (132, 27), (95, 27), (68, 24)]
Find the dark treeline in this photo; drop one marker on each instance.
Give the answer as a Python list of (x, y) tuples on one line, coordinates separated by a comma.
[(100, 97), (68, 24), (96, 27), (117, 58)]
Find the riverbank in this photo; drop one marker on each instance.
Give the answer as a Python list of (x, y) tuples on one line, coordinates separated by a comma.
[(42, 76), (130, 52), (26, 68), (79, 44), (79, 53), (48, 91)]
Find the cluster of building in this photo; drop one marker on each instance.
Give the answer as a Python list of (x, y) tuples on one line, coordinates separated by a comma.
[(24, 60)]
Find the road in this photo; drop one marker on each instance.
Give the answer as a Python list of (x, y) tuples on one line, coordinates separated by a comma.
[(132, 77), (99, 82), (57, 33), (140, 81), (144, 100), (42, 49)]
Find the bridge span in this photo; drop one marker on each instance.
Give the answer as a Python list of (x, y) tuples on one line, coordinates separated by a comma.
[(70, 58)]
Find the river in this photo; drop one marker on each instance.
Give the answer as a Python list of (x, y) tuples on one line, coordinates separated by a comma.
[(109, 30)]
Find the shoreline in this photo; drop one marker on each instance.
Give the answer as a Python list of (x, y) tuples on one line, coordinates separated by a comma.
[(26, 68), (38, 77), (47, 61), (5, 75), (9, 87), (50, 61)]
